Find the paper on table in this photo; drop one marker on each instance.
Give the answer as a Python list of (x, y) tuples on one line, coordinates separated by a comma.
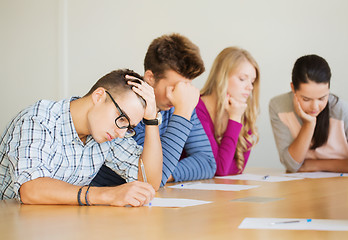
[(316, 174), (213, 186), (256, 177), (314, 224), (175, 202)]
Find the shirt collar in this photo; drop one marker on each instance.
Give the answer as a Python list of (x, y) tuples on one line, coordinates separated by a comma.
[(68, 131)]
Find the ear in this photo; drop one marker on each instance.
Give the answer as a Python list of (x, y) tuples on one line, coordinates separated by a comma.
[(292, 87), (149, 77), (99, 95)]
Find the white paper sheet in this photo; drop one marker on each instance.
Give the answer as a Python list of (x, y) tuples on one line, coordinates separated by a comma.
[(175, 202), (213, 186), (256, 177), (316, 174), (295, 224)]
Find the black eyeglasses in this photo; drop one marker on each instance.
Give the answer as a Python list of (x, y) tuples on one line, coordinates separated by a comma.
[(122, 121)]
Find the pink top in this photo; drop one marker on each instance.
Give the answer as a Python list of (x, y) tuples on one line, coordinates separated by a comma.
[(223, 153)]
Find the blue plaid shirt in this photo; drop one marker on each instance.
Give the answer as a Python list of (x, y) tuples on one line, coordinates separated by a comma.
[(41, 141)]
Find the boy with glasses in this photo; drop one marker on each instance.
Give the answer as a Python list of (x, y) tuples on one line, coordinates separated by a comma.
[(171, 63), (51, 151)]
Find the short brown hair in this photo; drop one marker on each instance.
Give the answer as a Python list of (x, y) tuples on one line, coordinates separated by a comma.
[(116, 82), (174, 52)]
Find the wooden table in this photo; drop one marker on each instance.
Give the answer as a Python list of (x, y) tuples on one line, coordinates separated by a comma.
[(308, 198)]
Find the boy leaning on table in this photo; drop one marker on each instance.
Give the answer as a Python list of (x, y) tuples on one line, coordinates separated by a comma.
[(51, 151)]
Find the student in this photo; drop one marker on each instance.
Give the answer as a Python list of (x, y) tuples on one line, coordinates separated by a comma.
[(171, 63), (52, 150), (310, 125), (228, 109)]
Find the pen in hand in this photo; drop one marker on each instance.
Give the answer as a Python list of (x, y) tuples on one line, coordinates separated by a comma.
[(143, 170), (143, 173)]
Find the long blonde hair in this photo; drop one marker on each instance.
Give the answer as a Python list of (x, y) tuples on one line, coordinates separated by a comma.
[(224, 65)]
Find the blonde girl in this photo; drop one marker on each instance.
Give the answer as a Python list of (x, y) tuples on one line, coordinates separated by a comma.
[(228, 108)]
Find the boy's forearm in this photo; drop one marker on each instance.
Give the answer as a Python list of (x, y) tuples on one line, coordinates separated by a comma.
[(48, 191), (152, 157), (52, 191)]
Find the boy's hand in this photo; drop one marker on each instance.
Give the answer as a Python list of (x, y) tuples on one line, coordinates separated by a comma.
[(147, 93), (134, 194), (184, 97)]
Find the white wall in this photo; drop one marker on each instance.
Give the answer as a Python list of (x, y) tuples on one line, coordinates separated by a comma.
[(53, 49), (28, 54)]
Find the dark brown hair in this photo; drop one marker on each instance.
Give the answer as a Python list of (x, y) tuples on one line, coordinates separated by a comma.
[(314, 68), (116, 82), (174, 52)]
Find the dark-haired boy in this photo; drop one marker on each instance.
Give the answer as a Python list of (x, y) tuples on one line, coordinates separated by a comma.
[(52, 150)]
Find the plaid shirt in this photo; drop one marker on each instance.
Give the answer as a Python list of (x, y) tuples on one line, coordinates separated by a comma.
[(41, 141)]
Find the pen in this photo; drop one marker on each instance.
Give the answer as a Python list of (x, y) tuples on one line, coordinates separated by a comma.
[(144, 174), (265, 177), (143, 170), (292, 221), (295, 221)]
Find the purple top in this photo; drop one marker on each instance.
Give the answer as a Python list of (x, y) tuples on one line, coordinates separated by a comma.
[(223, 153)]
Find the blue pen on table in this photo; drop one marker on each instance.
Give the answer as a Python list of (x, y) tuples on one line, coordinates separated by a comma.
[(292, 221), (188, 183), (265, 177)]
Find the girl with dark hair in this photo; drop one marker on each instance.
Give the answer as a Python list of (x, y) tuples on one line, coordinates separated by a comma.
[(310, 125)]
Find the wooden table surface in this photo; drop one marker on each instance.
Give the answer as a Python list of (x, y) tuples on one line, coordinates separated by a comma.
[(308, 198)]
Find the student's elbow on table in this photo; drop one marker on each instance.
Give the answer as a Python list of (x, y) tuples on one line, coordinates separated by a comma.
[(288, 162), (27, 195), (213, 167), (210, 171), (222, 172)]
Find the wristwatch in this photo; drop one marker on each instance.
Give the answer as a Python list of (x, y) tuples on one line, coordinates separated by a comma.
[(156, 121)]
